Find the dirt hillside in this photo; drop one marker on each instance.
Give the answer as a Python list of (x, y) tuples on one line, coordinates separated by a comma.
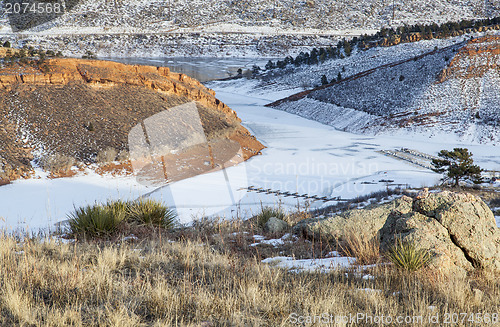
[(78, 108)]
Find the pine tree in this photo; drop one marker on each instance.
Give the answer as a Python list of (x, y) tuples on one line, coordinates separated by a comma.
[(347, 48), (324, 80), (270, 65), (457, 165), (255, 69), (280, 64)]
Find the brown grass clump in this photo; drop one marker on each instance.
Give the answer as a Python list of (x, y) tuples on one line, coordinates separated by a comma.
[(362, 245)]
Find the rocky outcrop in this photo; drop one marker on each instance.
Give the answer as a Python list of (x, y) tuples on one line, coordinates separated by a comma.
[(275, 225), (427, 234), (478, 57), (98, 73), (77, 108), (397, 39), (370, 220), (458, 229)]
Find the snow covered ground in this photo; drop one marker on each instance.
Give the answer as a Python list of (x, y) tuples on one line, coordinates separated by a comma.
[(311, 265), (302, 156), (229, 28), (39, 203), (395, 95)]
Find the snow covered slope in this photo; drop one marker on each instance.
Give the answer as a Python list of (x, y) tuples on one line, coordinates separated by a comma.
[(233, 27), (281, 14), (451, 91)]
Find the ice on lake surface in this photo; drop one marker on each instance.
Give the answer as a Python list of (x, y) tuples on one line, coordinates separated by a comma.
[(202, 69), (302, 156)]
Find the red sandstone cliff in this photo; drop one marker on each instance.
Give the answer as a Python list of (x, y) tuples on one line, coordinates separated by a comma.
[(77, 108)]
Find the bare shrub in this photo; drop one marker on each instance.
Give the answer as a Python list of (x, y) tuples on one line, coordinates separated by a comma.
[(57, 163), (107, 155)]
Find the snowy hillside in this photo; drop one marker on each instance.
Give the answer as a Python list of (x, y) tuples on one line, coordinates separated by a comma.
[(449, 91), (316, 14), (309, 76), (232, 27)]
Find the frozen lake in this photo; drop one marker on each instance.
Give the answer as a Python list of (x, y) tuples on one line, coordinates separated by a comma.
[(302, 156), (202, 69)]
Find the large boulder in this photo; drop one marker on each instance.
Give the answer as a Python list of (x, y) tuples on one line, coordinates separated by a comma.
[(275, 225), (369, 220), (427, 233), (458, 229)]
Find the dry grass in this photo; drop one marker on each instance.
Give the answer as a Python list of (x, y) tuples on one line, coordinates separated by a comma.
[(361, 245), (204, 279)]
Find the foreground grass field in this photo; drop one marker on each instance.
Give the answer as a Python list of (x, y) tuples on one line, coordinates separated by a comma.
[(208, 275)]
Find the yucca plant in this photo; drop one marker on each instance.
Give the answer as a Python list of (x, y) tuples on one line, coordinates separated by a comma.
[(95, 220), (151, 212), (119, 207), (405, 255)]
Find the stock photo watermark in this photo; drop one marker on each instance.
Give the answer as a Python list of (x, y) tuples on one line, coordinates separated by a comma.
[(451, 318), (26, 14), (171, 146)]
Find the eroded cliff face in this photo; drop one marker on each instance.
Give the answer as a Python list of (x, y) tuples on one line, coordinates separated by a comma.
[(478, 57), (77, 108), (98, 73)]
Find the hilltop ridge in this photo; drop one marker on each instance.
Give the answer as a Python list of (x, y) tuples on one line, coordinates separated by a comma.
[(237, 28)]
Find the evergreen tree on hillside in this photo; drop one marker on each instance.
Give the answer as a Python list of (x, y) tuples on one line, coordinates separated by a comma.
[(270, 65), (347, 49), (457, 165), (255, 69)]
